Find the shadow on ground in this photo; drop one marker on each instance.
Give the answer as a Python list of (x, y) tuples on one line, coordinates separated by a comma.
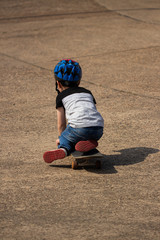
[(123, 157), (126, 157)]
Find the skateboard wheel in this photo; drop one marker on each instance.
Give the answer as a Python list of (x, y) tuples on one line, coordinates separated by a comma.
[(74, 164), (98, 164)]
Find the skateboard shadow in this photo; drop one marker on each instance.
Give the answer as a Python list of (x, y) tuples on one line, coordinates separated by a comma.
[(122, 158)]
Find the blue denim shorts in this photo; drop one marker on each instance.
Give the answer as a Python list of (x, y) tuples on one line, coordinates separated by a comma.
[(70, 136)]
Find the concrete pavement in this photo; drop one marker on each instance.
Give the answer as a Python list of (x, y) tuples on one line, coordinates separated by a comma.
[(117, 43)]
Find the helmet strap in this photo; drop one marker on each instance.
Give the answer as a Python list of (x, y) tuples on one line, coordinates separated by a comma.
[(57, 88)]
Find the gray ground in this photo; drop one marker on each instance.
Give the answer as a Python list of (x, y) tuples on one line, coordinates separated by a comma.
[(117, 44)]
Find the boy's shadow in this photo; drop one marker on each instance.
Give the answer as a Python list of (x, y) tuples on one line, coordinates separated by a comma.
[(125, 157)]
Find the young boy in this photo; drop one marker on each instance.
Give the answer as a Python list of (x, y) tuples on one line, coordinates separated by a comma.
[(76, 106)]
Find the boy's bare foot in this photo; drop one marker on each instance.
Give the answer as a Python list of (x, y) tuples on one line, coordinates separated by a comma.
[(50, 156), (85, 146)]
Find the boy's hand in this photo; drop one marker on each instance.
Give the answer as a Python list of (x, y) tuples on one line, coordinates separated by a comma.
[(57, 142)]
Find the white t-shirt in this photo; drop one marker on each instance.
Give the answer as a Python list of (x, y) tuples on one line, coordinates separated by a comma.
[(80, 109)]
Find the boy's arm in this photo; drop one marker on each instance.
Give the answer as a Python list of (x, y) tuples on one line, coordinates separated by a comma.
[(61, 120)]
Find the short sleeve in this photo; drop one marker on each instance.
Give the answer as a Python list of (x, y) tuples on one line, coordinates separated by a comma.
[(94, 100), (59, 102)]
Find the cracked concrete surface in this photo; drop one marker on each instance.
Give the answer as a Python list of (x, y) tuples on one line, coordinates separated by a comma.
[(117, 44)]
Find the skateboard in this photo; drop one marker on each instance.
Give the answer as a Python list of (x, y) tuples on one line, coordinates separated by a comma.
[(92, 156)]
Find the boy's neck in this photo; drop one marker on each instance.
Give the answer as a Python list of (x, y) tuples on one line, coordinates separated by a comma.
[(64, 88), (61, 88)]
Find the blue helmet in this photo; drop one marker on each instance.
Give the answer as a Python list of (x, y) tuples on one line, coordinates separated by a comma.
[(68, 72)]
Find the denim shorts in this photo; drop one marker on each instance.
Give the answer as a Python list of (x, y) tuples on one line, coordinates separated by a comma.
[(70, 136)]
